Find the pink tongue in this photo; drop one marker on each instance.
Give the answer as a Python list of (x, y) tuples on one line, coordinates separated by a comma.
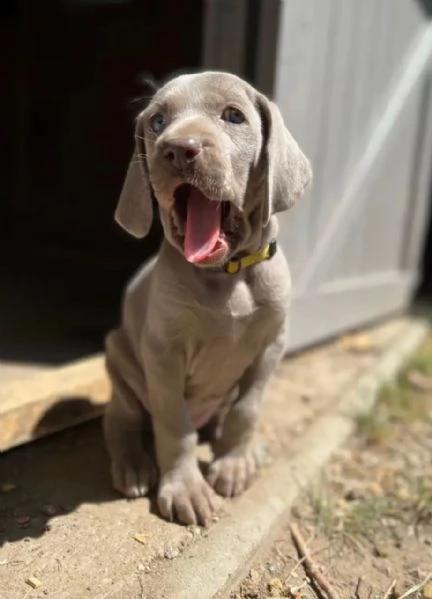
[(202, 227)]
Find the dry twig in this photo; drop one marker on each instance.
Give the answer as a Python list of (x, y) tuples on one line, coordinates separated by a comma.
[(358, 587), (309, 565), (390, 591), (416, 587)]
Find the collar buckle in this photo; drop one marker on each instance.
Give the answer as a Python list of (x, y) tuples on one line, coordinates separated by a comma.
[(232, 267)]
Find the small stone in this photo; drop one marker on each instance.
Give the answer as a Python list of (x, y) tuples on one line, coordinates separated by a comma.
[(380, 551), (171, 552), (8, 487), (22, 520), (272, 569), (34, 582), (195, 530), (427, 591)]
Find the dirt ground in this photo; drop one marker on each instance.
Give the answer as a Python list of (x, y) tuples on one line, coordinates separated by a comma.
[(367, 523), (63, 529)]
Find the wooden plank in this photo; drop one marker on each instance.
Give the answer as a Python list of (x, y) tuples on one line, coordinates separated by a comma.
[(302, 75), (386, 208), (384, 202), (335, 152), (361, 110), (52, 400)]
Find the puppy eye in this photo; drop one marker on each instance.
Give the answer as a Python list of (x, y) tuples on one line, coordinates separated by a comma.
[(157, 122), (233, 115)]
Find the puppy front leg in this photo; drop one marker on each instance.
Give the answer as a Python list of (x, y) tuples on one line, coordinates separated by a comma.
[(237, 459), (183, 492)]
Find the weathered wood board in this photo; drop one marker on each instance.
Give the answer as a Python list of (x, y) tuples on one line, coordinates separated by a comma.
[(52, 400)]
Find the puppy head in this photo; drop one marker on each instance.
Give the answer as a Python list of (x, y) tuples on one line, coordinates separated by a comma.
[(219, 160)]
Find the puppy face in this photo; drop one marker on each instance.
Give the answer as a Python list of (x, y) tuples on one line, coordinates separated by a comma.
[(208, 145), (203, 141)]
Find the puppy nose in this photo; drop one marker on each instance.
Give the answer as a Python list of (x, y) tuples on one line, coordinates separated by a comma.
[(181, 152)]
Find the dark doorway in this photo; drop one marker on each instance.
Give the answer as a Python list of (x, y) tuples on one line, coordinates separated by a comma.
[(70, 70)]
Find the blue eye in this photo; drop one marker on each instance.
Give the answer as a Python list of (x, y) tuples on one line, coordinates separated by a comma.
[(157, 122), (233, 115)]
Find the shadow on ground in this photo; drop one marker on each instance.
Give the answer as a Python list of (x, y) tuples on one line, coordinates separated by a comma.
[(51, 477)]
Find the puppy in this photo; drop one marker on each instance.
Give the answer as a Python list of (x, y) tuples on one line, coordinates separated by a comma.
[(204, 323)]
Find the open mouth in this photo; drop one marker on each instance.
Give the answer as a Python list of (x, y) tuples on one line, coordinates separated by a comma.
[(201, 219)]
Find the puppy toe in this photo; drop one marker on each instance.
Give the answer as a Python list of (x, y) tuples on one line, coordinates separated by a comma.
[(132, 479)]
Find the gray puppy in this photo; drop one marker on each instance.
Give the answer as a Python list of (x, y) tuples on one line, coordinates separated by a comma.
[(204, 324)]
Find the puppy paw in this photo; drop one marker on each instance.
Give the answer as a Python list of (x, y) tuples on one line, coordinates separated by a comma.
[(231, 474), (134, 477), (185, 495)]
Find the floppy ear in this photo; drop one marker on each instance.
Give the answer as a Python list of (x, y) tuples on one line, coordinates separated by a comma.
[(287, 170), (134, 210)]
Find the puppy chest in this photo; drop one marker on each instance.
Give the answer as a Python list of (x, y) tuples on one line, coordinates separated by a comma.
[(218, 360)]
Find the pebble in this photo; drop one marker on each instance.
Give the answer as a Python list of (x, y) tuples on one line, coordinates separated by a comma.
[(427, 591), (380, 551), (195, 530), (171, 552), (272, 568), (33, 582)]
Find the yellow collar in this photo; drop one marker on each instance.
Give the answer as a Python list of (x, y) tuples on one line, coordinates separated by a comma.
[(234, 266)]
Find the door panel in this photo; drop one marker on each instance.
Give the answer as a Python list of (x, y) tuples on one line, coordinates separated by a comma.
[(358, 103)]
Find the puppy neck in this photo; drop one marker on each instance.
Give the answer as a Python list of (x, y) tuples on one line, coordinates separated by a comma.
[(261, 240)]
